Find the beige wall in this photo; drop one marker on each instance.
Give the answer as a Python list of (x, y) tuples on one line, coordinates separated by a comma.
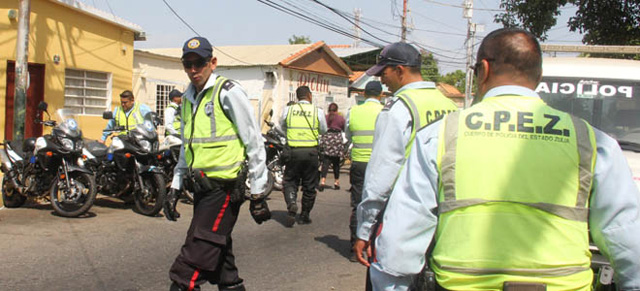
[(82, 42)]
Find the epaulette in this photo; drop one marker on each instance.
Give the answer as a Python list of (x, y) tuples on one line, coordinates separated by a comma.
[(390, 102), (228, 84)]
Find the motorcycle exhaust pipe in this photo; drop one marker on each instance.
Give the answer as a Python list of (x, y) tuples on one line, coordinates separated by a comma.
[(7, 169)]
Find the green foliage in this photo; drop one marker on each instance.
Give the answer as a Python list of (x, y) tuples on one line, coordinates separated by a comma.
[(457, 79), (429, 68), (299, 39)]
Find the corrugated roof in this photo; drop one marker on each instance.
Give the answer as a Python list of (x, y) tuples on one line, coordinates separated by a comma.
[(103, 15), (344, 52)]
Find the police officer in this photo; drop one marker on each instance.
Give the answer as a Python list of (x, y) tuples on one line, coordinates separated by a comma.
[(415, 104), (172, 113), (510, 190), (361, 121), (219, 133), (302, 122), (128, 115)]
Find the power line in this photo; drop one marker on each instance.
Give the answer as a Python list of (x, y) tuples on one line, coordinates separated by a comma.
[(460, 6)]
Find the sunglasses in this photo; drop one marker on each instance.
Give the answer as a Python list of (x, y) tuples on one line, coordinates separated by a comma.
[(199, 63), (478, 64)]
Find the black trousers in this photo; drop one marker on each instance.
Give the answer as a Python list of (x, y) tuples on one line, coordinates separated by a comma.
[(356, 178), (207, 253), (333, 161), (301, 170)]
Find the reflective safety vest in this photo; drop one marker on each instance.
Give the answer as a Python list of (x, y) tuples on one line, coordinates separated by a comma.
[(513, 197), (362, 123), (426, 105), (213, 144), (303, 125), (176, 120), (132, 120)]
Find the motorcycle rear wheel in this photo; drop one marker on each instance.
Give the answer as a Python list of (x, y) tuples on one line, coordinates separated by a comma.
[(84, 186), (151, 195), (10, 196)]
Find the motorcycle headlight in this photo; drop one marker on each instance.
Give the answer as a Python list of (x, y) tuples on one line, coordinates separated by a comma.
[(40, 143), (67, 143), (283, 140), (79, 145), (80, 162), (146, 145), (117, 144)]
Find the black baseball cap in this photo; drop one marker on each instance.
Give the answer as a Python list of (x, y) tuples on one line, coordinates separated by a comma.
[(198, 45), (175, 93), (395, 54), (373, 88)]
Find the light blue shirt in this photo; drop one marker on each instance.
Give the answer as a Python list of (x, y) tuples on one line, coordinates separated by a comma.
[(235, 104), (409, 220), (144, 109), (321, 118), (390, 139), (347, 131)]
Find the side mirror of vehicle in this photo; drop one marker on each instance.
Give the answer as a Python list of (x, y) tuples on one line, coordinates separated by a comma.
[(42, 106), (153, 116), (107, 115), (271, 112)]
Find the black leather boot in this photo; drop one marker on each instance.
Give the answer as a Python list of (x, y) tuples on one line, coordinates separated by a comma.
[(236, 287), (304, 218)]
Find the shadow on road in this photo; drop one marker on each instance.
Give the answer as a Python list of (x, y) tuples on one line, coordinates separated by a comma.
[(341, 246), (281, 217)]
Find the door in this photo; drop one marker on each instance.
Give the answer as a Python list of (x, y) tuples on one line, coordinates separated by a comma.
[(35, 94)]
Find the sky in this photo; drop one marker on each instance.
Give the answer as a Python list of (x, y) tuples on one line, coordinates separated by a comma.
[(436, 25)]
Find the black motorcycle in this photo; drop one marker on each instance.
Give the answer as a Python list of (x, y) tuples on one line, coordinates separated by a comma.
[(128, 168), (50, 167), (274, 141), (168, 154)]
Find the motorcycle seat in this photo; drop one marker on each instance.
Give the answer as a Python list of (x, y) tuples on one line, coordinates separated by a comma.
[(97, 149), (19, 148)]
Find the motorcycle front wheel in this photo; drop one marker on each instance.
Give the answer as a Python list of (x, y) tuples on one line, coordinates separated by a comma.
[(76, 198), (10, 196), (151, 195)]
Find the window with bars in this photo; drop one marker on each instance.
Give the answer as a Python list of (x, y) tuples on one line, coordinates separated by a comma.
[(162, 99), (86, 92)]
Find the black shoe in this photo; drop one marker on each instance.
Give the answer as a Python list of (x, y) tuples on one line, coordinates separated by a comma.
[(353, 258), (304, 219), (175, 287), (336, 187), (291, 214), (321, 187)]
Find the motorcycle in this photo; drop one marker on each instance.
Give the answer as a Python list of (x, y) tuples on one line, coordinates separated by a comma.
[(168, 154), (274, 141), (127, 169), (50, 166)]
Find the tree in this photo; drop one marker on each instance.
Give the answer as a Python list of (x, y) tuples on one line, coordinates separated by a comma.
[(457, 79), (299, 39), (429, 69), (610, 22)]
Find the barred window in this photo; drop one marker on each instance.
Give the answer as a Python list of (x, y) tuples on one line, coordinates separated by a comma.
[(162, 99), (86, 92)]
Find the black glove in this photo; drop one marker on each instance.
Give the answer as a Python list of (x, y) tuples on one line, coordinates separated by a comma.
[(259, 209), (169, 205)]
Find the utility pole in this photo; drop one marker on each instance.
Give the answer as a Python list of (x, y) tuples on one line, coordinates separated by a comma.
[(468, 14), (358, 13), (403, 38), (22, 71)]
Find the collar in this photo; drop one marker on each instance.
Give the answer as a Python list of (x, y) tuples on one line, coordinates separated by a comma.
[(417, 85), (304, 102), (510, 90), (190, 93), (372, 100)]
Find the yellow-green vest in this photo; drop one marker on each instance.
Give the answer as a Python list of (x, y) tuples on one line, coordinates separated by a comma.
[(513, 199), (426, 105), (303, 125), (215, 147), (176, 120), (362, 123), (129, 122)]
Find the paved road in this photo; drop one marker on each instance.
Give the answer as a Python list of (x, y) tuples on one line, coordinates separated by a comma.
[(113, 248)]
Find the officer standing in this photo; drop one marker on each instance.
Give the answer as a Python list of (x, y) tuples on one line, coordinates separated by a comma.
[(128, 115), (302, 122), (361, 122), (415, 104), (510, 190), (219, 133), (172, 114)]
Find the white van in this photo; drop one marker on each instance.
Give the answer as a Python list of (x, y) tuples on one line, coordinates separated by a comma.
[(605, 92)]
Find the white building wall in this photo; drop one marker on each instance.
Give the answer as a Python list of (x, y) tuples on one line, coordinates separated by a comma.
[(325, 88)]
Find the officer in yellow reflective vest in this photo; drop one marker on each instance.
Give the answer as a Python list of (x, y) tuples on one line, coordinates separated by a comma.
[(128, 115), (415, 104), (360, 125), (302, 122), (219, 133), (172, 115), (504, 195)]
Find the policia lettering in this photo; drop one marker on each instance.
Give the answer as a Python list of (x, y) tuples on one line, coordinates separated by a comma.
[(524, 123)]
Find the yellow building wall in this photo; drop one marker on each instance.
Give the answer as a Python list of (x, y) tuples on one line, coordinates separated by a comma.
[(82, 41)]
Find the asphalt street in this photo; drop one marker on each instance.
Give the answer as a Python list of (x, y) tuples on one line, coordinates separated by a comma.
[(114, 248)]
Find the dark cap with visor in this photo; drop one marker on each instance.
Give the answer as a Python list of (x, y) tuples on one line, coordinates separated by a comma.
[(396, 54), (198, 45)]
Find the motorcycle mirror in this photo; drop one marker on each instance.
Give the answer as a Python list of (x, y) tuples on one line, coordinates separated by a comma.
[(271, 112), (153, 116), (42, 106), (107, 115)]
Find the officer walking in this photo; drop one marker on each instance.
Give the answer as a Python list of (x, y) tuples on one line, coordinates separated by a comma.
[(415, 104), (128, 115), (360, 125), (302, 122), (510, 191), (219, 133), (172, 114)]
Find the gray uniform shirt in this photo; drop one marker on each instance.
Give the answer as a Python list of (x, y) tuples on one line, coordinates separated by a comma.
[(409, 223), (235, 104)]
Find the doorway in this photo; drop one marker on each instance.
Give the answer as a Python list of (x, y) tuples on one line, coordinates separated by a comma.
[(35, 94)]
